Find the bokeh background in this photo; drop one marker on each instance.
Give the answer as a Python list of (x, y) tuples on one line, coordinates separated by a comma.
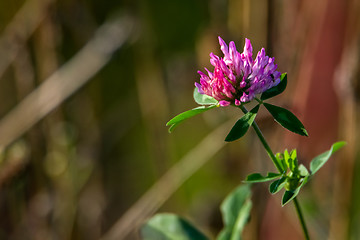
[(87, 86)]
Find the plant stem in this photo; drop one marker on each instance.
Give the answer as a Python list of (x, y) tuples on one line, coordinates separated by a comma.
[(302, 220), (263, 141), (279, 168)]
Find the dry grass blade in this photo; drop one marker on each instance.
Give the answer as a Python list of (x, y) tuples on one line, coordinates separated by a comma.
[(65, 81), (24, 23)]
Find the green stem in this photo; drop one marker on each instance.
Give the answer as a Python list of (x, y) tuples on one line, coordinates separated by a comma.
[(302, 220), (263, 141), (279, 168)]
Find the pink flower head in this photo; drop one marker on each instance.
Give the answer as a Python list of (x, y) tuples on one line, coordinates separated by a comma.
[(237, 78)]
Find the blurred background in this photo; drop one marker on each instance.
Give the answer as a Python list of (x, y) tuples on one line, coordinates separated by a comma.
[(87, 86)]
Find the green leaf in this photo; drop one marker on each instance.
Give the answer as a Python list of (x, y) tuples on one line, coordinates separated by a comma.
[(293, 154), (236, 211), (277, 185), (281, 161), (242, 125), (321, 159), (170, 227), (293, 165), (303, 171), (272, 92), (286, 119), (203, 99), (257, 177), (287, 158), (290, 195), (188, 114), (284, 164)]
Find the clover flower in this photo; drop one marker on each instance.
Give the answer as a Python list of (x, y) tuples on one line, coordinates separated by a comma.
[(237, 78)]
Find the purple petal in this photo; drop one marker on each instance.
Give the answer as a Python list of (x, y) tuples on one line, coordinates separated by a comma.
[(213, 59), (224, 103), (199, 88), (248, 48), (209, 73), (243, 83), (224, 48)]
